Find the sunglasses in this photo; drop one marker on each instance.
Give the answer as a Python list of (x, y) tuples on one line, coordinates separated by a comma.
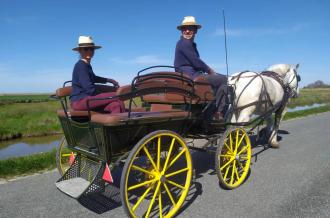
[(88, 49)]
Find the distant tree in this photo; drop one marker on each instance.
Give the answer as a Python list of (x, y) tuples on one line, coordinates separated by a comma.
[(317, 84)]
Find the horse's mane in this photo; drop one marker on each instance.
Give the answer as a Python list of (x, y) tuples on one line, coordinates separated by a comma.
[(280, 69)]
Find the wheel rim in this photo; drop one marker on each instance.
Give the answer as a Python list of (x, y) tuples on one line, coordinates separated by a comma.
[(234, 158), (64, 154), (158, 176)]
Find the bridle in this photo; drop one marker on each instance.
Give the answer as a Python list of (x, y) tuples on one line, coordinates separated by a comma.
[(293, 91)]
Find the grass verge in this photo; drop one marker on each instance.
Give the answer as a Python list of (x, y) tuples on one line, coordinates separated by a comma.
[(27, 165), (307, 112)]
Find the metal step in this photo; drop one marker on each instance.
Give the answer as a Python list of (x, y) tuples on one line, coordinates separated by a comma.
[(73, 187), (82, 178)]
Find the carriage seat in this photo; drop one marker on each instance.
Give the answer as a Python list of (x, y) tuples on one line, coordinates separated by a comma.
[(137, 117), (65, 92), (202, 89)]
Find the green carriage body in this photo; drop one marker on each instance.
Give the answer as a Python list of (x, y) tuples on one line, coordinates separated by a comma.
[(108, 143)]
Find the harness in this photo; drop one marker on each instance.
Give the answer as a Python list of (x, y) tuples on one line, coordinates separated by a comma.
[(264, 97)]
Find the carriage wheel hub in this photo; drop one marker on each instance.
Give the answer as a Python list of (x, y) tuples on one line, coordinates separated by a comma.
[(237, 157), (162, 178)]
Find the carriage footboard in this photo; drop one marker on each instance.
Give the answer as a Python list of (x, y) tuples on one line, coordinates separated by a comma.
[(82, 178)]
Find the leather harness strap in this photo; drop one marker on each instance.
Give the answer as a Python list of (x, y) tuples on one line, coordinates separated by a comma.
[(264, 97)]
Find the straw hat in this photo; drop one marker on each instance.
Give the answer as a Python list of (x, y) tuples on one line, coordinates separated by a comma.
[(86, 41), (189, 21)]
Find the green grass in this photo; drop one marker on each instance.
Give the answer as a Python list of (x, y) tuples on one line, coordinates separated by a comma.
[(24, 98), (307, 112), (311, 96), (26, 119), (27, 165)]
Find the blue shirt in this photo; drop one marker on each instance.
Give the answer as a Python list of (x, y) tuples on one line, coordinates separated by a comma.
[(83, 81), (187, 58)]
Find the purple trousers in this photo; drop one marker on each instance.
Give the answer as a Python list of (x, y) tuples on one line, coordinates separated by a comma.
[(108, 105)]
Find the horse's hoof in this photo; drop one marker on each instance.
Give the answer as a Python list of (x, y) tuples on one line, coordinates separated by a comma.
[(275, 145)]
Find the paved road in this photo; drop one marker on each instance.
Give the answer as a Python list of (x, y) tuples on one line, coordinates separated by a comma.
[(293, 181)]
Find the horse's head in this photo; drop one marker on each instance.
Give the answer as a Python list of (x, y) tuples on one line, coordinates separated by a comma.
[(291, 81)]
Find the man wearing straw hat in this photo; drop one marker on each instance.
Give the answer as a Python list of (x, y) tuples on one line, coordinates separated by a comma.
[(84, 79), (187, 60)]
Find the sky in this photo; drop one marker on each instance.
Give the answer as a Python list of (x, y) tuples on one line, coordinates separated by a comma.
[(37, 37)]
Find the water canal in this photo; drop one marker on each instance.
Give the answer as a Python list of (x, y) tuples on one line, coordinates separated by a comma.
[(26, 146)]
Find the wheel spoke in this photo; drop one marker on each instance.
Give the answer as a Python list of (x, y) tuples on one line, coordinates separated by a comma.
[(177, 156), (153, 199), (141, 198), (227, 164), (236, 173), (158, 153), (150, 158), (240, 164), (175, 184), (66, 155), (243, 157), (229, 149), (169, 154), (226, 155), (241, 140), (226, 173), (236, 140), (141, 184), (232, 173), (134, 167), (177, 172), (160, 205), (169, 193), (231, 141), (241, 151)]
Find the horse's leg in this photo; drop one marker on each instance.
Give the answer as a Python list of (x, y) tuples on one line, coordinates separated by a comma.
[(268, 131), (279, 114)]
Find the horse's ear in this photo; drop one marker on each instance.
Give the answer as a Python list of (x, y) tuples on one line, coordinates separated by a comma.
[(297, 66)]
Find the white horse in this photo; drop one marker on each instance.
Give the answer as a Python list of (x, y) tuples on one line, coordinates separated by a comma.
[(259, 93)]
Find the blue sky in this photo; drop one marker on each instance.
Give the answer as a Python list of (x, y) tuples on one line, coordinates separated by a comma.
[(37, 37)]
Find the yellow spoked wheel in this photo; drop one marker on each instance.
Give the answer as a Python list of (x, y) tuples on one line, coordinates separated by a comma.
[(157, 175), (63, 156), (233, 158)]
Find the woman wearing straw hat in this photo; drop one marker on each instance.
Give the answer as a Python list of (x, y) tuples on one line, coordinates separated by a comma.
[(84, 79), (188, 61)]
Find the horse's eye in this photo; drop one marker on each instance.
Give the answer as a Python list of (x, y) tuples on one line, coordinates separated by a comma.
[(298, 78)]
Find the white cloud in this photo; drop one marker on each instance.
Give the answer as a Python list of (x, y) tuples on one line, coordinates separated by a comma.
[(19, 20), (262, 31), (142, 60)]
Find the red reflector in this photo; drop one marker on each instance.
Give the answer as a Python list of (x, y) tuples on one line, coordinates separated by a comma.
[(107, 174), (72, 157)]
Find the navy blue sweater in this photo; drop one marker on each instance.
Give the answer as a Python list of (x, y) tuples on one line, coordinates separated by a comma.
[(187, 58), (83, 81)]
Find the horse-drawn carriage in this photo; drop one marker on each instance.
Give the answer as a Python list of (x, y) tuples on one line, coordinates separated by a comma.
[(149, 143)]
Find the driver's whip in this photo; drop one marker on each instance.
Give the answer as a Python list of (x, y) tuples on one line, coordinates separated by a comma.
[(224, 30)]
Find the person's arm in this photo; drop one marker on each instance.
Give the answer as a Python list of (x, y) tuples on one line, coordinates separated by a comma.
[(99, 79)]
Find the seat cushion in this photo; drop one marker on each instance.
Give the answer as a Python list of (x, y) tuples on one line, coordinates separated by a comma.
[(74, 113), (122, 118)]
